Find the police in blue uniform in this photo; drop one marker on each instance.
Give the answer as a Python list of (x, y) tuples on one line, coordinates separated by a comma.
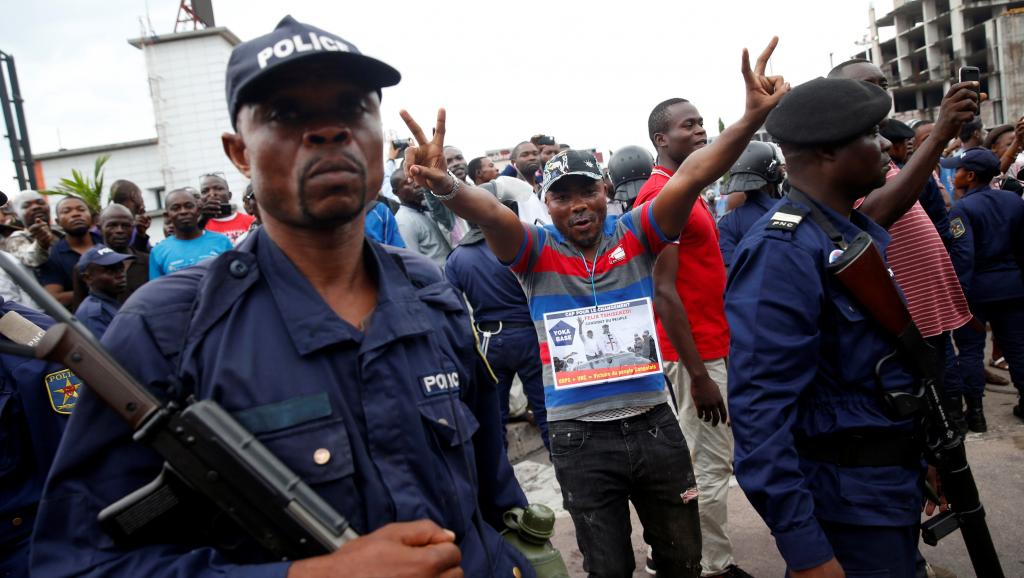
[(757, 174), (502, 316), (353, 362), (36, 399), (987, 226), (835, 478)]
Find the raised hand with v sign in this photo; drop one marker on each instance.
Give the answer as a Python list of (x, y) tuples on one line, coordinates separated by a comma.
[(708, 164), (425, 165)]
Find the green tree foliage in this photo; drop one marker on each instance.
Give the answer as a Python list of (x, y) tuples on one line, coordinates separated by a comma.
[(79, 185)]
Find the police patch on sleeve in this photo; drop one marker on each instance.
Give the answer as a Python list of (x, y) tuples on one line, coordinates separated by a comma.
[(439, 383), (956, 227), (63, 387)]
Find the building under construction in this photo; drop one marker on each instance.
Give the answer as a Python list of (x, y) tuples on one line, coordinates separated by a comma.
[(921, 45)]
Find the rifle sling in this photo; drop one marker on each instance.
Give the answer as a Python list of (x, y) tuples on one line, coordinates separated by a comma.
[(819, 217)]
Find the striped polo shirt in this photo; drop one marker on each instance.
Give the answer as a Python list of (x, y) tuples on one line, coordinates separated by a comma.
[(555, 277), (924, 271)]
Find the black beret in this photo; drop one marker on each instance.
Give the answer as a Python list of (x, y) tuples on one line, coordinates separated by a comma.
[(895, 130), (828, 110)]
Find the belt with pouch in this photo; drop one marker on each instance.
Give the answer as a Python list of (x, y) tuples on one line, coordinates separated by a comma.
[(865, 449)]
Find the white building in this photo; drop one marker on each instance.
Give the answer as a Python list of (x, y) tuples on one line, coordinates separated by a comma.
[(929, 40), (186, 84)]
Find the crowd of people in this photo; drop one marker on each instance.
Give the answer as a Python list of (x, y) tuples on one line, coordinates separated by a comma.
[(662, 344), (100, 259)]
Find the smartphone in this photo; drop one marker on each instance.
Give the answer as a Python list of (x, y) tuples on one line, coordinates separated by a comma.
[(971, 73), (225, 209)]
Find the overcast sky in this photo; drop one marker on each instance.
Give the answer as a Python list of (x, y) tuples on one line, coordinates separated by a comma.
[(586, 72)]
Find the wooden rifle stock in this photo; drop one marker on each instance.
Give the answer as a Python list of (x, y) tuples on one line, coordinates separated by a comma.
[(862, 272)]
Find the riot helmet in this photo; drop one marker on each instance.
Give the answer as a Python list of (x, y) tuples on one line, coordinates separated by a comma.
[(629, 168), (759, 165)]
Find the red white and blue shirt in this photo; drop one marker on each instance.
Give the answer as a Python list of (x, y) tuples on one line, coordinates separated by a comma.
[(557, 277)]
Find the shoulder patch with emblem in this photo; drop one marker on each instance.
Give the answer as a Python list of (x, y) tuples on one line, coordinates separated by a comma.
[(956, 227), (787, 217), (63, 387)]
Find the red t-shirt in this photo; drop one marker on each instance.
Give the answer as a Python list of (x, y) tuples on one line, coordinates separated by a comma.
[(232, 226), (701, 279)]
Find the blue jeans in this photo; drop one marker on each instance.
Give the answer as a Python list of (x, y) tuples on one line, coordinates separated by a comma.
[(1007, 320), (602, 466), (516, 351)]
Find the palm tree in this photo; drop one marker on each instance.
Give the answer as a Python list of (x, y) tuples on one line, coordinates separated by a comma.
[(81, 186)]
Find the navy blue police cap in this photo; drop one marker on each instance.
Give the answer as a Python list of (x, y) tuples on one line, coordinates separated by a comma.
[(101, 255), (292, 42), (827, 111), (976, 159)]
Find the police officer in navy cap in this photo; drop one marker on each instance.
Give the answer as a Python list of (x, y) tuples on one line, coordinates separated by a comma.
[(354, 363), (36, 399), (836, 480), (987, 226), (758, 175)]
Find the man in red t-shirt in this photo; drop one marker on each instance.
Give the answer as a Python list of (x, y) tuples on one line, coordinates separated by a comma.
[(689, 285), (216, 212)]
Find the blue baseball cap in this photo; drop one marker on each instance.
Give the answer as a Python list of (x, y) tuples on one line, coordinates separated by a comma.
[(102, 255), (977, 159), (291, 42)]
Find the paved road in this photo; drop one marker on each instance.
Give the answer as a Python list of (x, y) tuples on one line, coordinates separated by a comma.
[(996, 457)]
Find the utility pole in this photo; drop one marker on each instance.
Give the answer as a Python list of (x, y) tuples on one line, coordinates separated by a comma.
[(14, 114)]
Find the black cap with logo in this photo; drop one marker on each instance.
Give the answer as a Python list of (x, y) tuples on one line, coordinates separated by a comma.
[(291, 42)]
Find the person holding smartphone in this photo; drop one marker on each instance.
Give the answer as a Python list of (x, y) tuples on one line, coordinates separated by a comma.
[(216, 213)]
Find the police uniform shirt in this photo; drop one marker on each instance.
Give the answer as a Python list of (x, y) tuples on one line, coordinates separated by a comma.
[(738, 221), (36, 399), (371, 420), (987, 226), (493, 291), (96, 312), (802, 365)]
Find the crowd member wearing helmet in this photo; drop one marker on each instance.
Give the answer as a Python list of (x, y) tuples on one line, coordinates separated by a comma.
[(629, 168), (758, 175)]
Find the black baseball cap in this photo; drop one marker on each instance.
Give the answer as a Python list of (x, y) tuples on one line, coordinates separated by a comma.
[(570, 162), (293, 41)]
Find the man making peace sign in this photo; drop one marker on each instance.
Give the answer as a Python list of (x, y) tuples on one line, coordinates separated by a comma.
[(613, 435)]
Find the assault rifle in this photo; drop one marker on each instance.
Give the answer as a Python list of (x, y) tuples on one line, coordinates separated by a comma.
[(861, 271), (206, 452)]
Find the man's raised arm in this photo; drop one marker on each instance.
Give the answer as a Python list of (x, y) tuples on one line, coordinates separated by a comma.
[(425, 164), (703, 167), (889, 202)]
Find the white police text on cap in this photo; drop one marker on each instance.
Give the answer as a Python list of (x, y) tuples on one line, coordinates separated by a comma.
[(296, 44)]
